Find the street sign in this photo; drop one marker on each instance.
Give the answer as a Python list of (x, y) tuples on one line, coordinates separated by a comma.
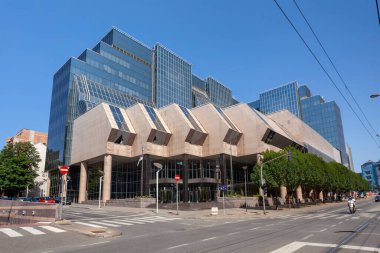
[(63, 169), (223, 187), (177, 177)]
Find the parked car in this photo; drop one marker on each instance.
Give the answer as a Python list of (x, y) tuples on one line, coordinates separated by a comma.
[(377, 198), (46, 200), (58, 200)]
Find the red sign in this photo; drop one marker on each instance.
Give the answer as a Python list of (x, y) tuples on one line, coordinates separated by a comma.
[(177, 177), (63, 169)]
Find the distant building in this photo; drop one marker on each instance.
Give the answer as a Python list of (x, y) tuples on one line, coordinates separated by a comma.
[(324, 117), (27, 135), (371, 173), (39, 140)]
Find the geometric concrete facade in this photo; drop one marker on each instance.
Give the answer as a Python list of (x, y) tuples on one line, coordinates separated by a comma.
[(191, 142)]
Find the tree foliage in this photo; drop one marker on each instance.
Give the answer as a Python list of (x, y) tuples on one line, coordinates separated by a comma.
[(307, 170), (18, 163)]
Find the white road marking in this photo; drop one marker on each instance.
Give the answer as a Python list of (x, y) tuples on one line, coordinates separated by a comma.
[(323, 230), (53, 229), (50, 251), (208, 239), (307, 237), (332, 226), (269, 225), (294, 246), (10, 232), (234, 233), (105, 224), (178, 246), (120, 222), (355, 218), (255, 228), (88, 224), (340, 222), (188, 224), (33, 231), (133, 221)]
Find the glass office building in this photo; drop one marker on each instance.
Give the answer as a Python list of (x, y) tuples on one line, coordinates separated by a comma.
[(121, 71), (284, 97), (219, 94), (118, 64), (173, 78), (323, 117)]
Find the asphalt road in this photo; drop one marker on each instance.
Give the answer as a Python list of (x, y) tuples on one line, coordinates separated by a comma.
[(327, 229)]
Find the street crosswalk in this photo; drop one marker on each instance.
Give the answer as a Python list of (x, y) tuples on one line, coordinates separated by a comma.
[(25, 231), (114, 222)]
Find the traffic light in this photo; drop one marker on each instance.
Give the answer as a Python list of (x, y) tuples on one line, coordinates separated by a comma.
[(265, 189)]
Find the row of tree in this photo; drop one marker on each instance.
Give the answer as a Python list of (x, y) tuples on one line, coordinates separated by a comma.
[(308, 171), (18, 163)]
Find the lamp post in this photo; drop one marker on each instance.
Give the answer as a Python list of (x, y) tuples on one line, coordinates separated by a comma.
[(245, 186), (159, 168), (217, 174), (100, 188), (374, 95)]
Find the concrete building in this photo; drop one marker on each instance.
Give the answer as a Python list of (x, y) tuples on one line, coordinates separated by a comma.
[(39, 140), (27, 135), (206, 145)]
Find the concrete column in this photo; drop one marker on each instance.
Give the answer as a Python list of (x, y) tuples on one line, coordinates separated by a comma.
[(299, 193), (147, 174), (83, 182), (185, 180), (48, 184), (321, 195), (107, 173), (283, 193)]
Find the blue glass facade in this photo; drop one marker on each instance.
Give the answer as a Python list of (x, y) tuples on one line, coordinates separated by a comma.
[(284, 97), (118, 65), (220, 95), (173, 79), (371, 173), (323, 117)]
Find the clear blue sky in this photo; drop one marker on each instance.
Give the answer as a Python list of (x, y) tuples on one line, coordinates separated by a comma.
[(247, 45)]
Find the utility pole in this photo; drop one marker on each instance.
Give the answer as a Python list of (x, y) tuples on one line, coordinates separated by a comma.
[(100, 188), (142, 172)]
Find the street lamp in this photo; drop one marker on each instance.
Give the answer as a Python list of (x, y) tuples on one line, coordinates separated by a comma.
[(100, 188), (374, 95), (245, 186), (159, 167)]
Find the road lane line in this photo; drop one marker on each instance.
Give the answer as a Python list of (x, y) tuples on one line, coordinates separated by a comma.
[(10, 232), (234, 233), (373, 249), (208, 239), (105, 224), (188, 224), (307, 237), (96, 243), (255, 228), (53, 229), (185, 244), (322, 230), (120, 222), (88, 224), (33, 231), (269, 225)]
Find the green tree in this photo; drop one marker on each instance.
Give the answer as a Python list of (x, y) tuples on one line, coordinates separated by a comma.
[(18, 163)]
